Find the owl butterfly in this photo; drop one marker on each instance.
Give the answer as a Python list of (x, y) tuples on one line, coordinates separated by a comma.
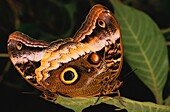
[(86, 65)]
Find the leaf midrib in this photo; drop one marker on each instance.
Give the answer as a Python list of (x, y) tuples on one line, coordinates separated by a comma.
[(145, 57)]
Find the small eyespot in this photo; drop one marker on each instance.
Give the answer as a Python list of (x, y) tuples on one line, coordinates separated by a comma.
[(101, 23), (94, 58), (68, 75), (19, 45)]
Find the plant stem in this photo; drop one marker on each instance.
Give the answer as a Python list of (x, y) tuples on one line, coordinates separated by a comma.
[(4, 55)]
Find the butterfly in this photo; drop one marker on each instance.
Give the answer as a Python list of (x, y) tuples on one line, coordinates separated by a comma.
[(88, 64)]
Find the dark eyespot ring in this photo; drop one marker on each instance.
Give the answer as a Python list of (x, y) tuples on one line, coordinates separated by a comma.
[(101, 23), (94, 58), (19, 45), (68, 75)]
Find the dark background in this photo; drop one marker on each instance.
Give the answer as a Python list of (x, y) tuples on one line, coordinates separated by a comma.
[(52, 19)]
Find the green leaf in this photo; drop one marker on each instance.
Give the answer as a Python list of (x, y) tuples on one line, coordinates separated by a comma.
[(78, 104), (144, 47), (71, 13), (167, 101), (70, 8)]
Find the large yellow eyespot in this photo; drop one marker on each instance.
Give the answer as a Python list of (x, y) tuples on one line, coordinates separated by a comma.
[(101, 23), (68, 75), (19, 45), (94, 58)]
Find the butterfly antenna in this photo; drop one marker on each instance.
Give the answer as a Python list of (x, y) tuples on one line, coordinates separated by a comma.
[(26, 92), (128, 74), (29, 93)]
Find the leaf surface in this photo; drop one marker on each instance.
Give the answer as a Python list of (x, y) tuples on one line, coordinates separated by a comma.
[(78, 104)]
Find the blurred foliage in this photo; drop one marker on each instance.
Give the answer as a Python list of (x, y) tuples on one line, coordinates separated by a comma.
[(52, 19), (49, 19)]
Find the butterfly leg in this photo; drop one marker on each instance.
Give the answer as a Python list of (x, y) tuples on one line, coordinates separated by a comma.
[(112, 88), (49, 96)]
